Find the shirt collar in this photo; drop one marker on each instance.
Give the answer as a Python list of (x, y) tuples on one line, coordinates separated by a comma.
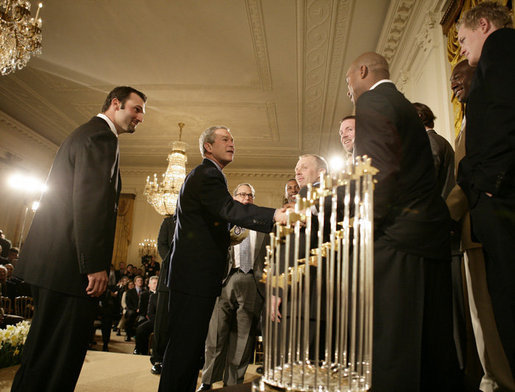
[(216, 164), (380, 82), (109, 122)]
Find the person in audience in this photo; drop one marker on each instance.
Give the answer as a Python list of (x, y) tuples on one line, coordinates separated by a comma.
[(118, 311), (347, 134), (497, 372), (487, 172), (147, 326), (199, 255), (3, 260), (12, 255), (121, 271), (123, 303), (412, 275), (232, 329), (152, 268), (69, 247), (136, 302), (3, 281), (291, 189), (106, 304), (131, 273), (111, 280), (5, 244), (443, 154), (161, 333)]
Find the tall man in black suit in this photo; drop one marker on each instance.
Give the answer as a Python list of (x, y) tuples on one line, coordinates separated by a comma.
[(199, 255), (160, 340), (235, 318), (69, 247), (487, 172), (413, 346)]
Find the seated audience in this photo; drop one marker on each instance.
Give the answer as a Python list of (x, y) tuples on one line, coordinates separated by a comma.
[(147, 326)]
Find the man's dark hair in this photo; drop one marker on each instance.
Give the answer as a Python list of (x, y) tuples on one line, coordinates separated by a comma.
[(425, 114), (14, 250), (121, 93), (351, 117)]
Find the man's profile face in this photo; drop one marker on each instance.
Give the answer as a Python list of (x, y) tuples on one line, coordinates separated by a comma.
[(461, 79), (129, 114), (347, 134), (353, 82), (244, 195), (291, 190), (306, 171), (222, 149), (471, 43)]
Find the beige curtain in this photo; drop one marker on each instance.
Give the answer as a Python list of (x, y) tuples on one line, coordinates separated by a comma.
[(453, 55), (122, 238)]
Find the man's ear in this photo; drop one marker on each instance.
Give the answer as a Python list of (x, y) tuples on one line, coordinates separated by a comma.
[(484, 25), (208, 147), (363, 71), (115, 102)]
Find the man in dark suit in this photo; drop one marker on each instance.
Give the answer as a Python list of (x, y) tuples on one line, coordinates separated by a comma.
[(69, 247), (161, 335), (232, 329), (137, 302), (487, 172), (199, 255), (443, 154), (146, 327), (413, 346)]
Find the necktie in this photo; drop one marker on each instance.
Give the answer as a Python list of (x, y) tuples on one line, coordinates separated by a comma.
[(245, 261)]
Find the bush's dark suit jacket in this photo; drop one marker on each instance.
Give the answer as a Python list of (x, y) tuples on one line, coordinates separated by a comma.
[(201, 241), (73, 230), (489, 163)]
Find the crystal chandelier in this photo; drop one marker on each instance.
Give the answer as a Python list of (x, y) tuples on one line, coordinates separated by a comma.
[(163, 197), (20, 35), (147, 248)]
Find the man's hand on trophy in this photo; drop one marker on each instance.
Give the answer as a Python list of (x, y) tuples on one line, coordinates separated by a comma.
[(275, 314), (280, 216)]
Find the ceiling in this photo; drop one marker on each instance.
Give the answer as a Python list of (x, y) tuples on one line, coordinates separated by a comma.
[(271, 70)]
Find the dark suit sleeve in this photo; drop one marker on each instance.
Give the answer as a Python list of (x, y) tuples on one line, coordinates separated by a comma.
[(216, 199), (377, 137), (93, 201), (497, 65)]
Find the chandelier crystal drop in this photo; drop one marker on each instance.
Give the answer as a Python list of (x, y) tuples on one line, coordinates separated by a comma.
[(20, 34), (163, 196)]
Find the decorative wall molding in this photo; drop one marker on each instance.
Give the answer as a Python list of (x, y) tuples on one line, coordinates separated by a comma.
[(394, 28), (325, 25), (257, 30), (136, 171), (9, 122), (425, 37)]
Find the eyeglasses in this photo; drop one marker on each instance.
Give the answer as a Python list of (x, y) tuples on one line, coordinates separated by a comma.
[(245, 195)]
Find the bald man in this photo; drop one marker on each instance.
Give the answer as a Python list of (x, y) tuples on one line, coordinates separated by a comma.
[(413, 347)]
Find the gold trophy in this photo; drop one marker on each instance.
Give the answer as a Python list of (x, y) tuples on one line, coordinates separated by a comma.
[(319, 267)]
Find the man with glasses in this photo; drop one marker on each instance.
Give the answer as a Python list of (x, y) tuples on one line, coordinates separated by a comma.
[(232, 329)]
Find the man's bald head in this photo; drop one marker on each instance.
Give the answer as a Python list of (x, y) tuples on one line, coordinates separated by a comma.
[(364, 72)]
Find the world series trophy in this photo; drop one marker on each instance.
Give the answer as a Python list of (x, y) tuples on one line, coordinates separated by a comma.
[(319, 268)]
